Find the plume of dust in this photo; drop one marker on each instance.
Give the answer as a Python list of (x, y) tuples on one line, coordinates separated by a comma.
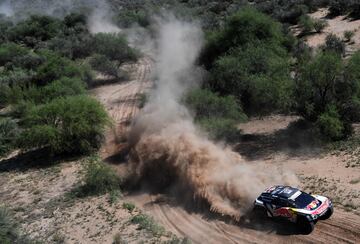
[(6, 8), (164, 136)]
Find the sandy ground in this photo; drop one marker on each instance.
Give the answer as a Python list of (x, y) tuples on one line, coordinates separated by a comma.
[(337, 26), (319, 172), (39, 195), (278, 140), (121, 101)]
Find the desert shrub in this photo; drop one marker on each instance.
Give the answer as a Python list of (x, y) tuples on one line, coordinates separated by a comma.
[(99, 178), (307, 24), (65, 125), (73, 19), (60, 88), (56, 67), (258, 75), (72, 45), (315, 87), (148, 223), (319, 25), (10, 51), (348, 35), (127, 18), (128, 206), (113, 46), (215, 114), (8, 227), (244, 27), (102, 64), (35, 30), (8, 133), (220, 128), (17, 76), (208, 104), (334, 43), (330, 124)]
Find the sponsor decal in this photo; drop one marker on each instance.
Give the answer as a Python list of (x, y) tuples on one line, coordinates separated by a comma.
[(283, 212), (322, 208), (313, 205)]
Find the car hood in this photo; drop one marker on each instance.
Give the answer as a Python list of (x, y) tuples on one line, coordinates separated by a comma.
[(318, 206)]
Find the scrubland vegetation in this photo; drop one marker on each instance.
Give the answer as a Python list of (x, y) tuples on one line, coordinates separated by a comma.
[(46, 66)]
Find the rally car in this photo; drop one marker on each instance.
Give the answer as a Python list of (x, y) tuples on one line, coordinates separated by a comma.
[(295, 205)]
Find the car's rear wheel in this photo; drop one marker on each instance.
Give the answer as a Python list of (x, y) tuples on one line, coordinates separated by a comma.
[(260, 211), (328, 214), (306, 226)]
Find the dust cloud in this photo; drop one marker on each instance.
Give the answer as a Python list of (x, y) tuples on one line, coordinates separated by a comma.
[(169, 146)]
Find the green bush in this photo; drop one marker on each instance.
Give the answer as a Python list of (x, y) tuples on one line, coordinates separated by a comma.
[(330, 124), (8, 227), (307, 24), (99, 178), (319, 25), (10, 51), (335, 44), (128, 206), (208, 104), (114, 47), (244, 27), (220, 128), (8, 133), (35, 30), (127, 18), (316, 84), (148, 223), (102, 64), (56, 67), (258, 75), (348, 35), (65, 125)]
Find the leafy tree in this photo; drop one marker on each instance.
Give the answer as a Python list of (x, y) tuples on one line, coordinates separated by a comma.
[(56, 67), (10, 51), (244, 27), (330, 124), (316, 84), (257, 74), (208, 104), (113, 46), (217, 115), (307, 24), (65, 125), (102, 64), (35, 30)]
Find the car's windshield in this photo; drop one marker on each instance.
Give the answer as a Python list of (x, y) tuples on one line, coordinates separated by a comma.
[(303, 200)]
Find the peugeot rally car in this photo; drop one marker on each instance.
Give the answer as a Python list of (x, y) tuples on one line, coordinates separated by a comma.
[(295, 205)]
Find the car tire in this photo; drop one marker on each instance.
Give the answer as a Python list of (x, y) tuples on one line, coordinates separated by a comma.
[(328, 214), (306, 226), (260, 211)]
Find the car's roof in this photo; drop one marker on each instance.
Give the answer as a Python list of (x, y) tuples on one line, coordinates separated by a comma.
[(285, 192)]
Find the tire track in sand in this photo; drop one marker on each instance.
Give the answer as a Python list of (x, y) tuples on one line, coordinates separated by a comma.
[(121, 102)]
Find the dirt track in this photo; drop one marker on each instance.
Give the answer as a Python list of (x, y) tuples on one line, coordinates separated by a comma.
[(121, 101)]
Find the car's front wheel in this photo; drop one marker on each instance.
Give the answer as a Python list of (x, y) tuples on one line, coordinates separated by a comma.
[(306, 226), (328, 214)]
